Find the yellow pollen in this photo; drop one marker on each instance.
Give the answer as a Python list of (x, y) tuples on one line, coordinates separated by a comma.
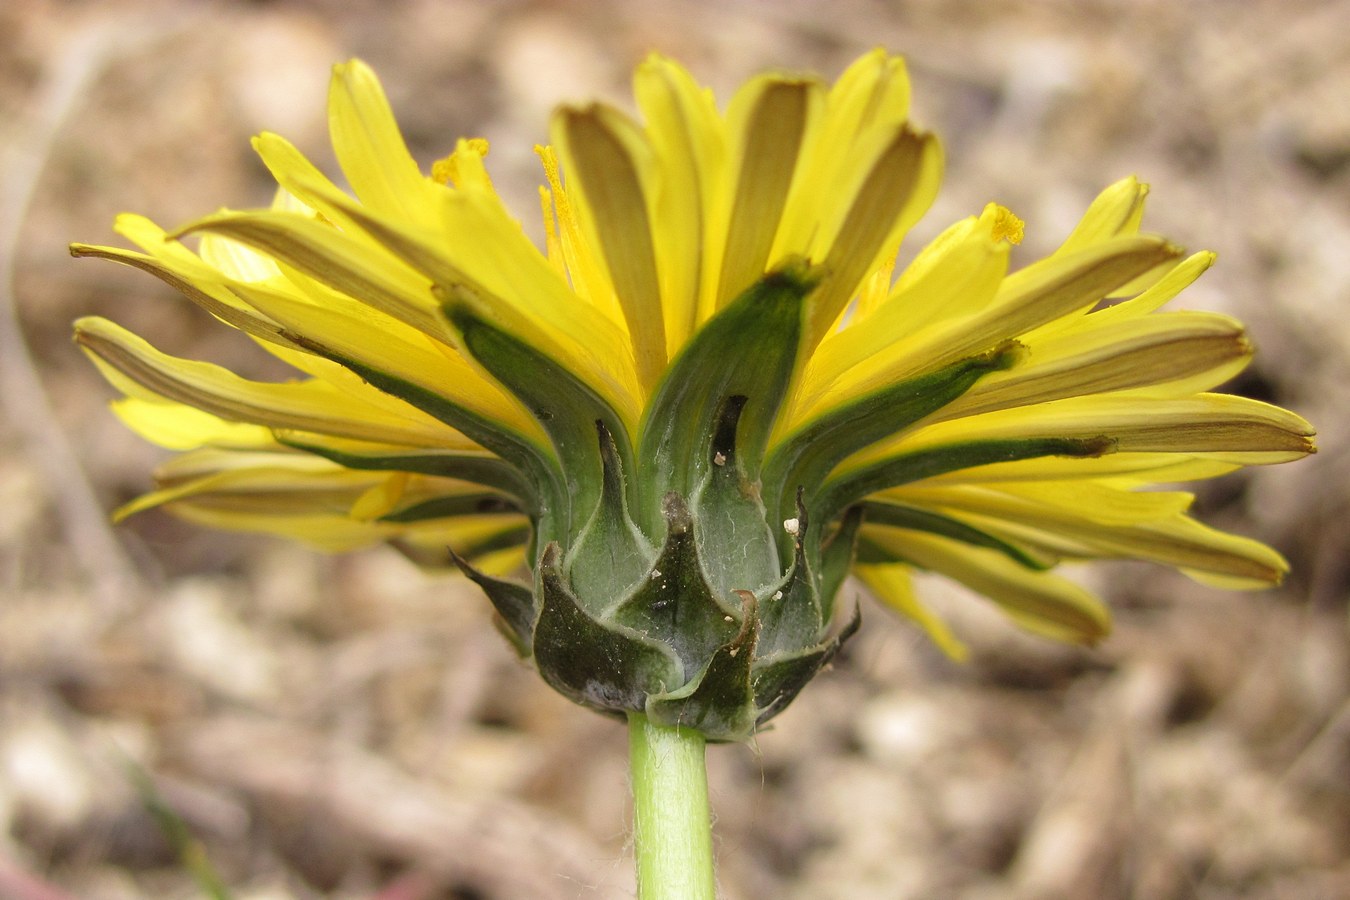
[(549, 157), (552, 243), (1007, 226), (580, 265), (443, 170), (446, 170)]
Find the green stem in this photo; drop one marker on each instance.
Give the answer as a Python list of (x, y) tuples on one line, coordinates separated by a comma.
[(672, 827)]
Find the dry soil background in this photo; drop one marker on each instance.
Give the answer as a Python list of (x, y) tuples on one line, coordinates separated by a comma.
[(349, 727)]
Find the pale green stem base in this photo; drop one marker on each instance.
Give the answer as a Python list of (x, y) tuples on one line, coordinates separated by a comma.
[(672, 827)]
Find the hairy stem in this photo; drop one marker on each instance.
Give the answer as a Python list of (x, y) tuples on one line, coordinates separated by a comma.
[(672, 826)]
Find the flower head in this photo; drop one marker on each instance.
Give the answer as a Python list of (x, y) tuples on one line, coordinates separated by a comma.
[(707, 399)]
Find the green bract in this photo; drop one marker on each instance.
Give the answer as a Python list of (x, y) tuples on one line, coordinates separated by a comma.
[(677, 591)]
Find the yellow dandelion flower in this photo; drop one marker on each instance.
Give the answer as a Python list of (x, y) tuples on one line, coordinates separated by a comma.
[(707, 398)]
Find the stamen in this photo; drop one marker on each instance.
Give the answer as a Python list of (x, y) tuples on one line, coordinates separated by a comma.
[(552, 245), (585, 277), (1007, 226), (447, 170)]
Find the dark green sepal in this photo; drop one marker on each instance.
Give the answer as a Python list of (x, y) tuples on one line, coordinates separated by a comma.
[(806, 456), (476, 468), (898, 515), (748, 349), (836, 559), (610, 555), (674, 603), (779, 678), (565, 408), (843, 491), (719, 700), (738, 550), (790, 615), (513, 601), (604, 666)]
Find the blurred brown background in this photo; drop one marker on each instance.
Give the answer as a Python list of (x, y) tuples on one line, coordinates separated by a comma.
[(349, 727)]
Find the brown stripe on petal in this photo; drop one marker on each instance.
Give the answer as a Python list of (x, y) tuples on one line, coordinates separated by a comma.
[(305, 406), (1216, 437), (1183, 354), (877, 206), (602, 163), (773, 137), (330, 257)]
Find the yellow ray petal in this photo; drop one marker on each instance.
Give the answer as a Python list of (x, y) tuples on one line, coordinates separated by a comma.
[(1136, 468), (321, 252), (873, 293), (873, 91), (687, 141), (958, 274), (176, 426), (955, 276), (345, 327), (371, 150), (578, 246), (535, 304), (284, 484), (1232, 428), (864, 177), (481, 250), (497, 563), (280, 467), (1163, 292), (380, 498), (1173, 354), (242, 304), (1200, 551), (1039, 602), (862, 112), (1116, 211), (302, 181), (899, 186), (893, 586), (465, 533), (606, 159), (258, 482), (1095, 501), (182, 270), (1041, 293), (138, 369), (768, 120), (325, 533), (236, 260)]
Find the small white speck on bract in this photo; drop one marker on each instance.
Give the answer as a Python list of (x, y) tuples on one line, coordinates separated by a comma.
[(792, 526)]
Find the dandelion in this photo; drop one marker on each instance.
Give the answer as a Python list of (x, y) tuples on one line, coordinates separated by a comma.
[(705, 401)]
